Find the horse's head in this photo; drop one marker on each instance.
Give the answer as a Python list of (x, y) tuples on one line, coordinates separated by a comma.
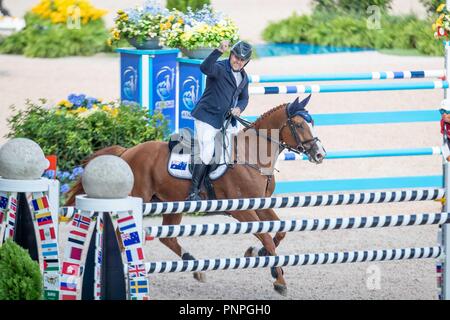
[(298, 132)]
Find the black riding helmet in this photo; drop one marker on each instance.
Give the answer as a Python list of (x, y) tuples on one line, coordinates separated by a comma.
[(242, 50)]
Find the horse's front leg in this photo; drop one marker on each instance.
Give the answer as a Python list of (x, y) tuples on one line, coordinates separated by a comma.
[(266, 215), (268, 246), (172, 244)]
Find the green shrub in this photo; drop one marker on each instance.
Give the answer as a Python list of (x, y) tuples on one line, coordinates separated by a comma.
[(351, 30), (359, 6), (431, 5), (42, 38), (182, 5), (74, 133), (20, 277)]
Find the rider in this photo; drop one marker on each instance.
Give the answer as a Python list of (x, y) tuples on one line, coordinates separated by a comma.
[(226, 90)]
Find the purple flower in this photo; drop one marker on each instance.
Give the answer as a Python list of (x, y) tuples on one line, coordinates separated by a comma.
[(77, 171), (50, 174), (90, 101), (77, 100), (64, 188)]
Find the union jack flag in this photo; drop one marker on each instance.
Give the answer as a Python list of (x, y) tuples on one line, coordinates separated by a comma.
[(137, 270)]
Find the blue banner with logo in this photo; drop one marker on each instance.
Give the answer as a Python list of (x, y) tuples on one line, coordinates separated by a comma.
[(163, 71), (192, 85), (130, 78)]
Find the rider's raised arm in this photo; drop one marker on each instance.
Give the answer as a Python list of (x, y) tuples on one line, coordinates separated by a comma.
[(209, 66)]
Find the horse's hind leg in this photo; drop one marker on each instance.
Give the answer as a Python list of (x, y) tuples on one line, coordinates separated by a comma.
[(172, 243), (268, 245)]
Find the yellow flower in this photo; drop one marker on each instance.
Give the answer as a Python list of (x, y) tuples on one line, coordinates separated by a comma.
[(441, 7), (114, 112), (180, 20)]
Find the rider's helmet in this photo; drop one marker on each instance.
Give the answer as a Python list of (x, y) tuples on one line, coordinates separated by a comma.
[(242, 50)]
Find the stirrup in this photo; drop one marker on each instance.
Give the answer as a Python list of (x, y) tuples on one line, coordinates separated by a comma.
[(194, 196)]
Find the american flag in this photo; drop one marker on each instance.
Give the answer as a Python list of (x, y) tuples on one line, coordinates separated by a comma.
[(13, 204)]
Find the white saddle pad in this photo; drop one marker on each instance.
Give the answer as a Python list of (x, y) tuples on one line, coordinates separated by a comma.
[(178, 167)]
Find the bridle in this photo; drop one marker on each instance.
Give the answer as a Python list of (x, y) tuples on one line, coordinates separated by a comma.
[(300, 147), (292, 127)]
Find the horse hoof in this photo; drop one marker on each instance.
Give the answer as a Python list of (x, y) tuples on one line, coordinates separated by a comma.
[(273, 272), (251, 252), (280, 288), (200, 276)]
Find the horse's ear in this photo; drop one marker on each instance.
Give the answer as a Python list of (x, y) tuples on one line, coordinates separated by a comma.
[(304, 102), (297, 106)]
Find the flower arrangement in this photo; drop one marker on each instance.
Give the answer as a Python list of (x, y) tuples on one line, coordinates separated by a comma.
[(441, 27), (60, 11), (204, 28), (84, 106), (141, 23)]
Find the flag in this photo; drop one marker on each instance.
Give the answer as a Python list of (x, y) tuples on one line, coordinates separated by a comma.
[(51, 295), (134, 255), (138, 286), (69, 297), (49, 247), (13, 204), (126, 223), (51, 281), (45, 220), (68, 286), (129, 239), (43, 215), (3, 202), (71, 269), (137, 270), (75, 253), (40, 203), (46, 234), (81, 222), (51, 265)]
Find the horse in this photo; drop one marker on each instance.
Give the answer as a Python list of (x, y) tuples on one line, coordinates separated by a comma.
[(288, 126)]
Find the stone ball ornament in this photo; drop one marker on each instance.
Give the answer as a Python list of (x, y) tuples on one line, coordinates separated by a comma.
[(107, 177), (22, 159)]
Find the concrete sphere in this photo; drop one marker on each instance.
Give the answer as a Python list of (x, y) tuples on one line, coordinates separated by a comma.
[(22, 159), (107, 177)]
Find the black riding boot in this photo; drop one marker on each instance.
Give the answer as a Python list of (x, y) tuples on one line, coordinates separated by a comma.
[(198, 173)]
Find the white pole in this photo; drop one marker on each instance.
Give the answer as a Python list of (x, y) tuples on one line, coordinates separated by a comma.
[(445, 238)]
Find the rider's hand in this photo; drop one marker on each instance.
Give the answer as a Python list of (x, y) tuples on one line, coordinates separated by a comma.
[(236, 112), (224, 46)]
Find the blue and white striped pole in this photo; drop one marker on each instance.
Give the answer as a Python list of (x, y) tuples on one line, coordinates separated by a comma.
[(195, 230), (382, 75), (328, 88), (293, 260)]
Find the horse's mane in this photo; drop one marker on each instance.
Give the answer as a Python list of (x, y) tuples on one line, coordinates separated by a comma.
[(265, 115)]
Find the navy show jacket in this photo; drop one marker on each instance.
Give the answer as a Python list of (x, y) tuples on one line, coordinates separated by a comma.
[(221, 93)]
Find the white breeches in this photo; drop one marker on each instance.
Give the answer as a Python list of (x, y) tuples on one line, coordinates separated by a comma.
[(206, 139)]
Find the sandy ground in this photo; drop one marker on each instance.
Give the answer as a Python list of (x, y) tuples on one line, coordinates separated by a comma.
[(22, 78)]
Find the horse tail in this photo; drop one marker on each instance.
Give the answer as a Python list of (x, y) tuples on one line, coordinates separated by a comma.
[(78, 187)]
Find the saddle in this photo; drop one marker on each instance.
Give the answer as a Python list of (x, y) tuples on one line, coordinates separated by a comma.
[(183, 151)]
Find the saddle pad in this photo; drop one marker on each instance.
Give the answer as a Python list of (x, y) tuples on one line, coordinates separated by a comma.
[(178, 167)]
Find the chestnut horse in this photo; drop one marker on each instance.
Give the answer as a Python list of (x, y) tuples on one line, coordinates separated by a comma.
[(286, 126)]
